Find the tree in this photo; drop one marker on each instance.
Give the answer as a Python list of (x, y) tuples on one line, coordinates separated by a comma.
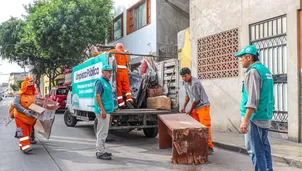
[(63, 29), (10, 32), (18, 45), (55, 34), (19, 84), (14, 87)]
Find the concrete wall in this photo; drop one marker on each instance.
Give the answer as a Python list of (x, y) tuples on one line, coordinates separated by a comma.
[(143, 40), (184, 48), (170, 21), (184, 58), (209, 17)]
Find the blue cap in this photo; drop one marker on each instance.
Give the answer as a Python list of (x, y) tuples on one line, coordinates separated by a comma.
[(247, 50), (106, 68)]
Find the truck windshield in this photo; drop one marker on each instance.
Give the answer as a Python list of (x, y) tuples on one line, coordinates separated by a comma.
[(62, 91)]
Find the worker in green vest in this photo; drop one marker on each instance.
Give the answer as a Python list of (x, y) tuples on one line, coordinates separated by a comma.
[(103, 107), (256, 107)]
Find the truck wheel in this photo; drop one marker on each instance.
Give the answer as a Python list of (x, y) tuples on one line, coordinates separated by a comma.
[(150, 132), (69, 120), (95, 124)]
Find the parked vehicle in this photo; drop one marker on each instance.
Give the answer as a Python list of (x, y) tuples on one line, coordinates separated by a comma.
[(59, 94), (9, 94), (80, 99)]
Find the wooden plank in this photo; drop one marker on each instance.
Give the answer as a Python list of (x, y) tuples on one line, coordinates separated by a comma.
[(180, 122), (164, 139), (188, 138)]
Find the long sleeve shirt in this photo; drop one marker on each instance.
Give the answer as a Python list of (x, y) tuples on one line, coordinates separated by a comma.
[(253, 85)]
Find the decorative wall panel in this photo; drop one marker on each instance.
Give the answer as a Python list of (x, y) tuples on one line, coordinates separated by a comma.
[(216, 55)]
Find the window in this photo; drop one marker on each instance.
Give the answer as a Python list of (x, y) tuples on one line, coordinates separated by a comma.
[(62, 91), (115, 30), (118, 28), (138, 16)]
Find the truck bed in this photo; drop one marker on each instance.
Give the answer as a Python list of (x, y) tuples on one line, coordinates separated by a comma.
[(136, 118), (140, 112)]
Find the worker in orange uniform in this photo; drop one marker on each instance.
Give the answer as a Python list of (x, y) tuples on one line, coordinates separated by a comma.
[(122, 79), (200, 107), (24, 118)]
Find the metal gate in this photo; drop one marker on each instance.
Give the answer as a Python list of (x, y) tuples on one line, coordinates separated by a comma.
[(269, 36)]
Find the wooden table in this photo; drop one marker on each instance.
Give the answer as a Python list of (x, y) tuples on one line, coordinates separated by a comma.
[(187, 137)]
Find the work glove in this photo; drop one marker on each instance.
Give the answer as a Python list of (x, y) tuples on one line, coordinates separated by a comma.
[(29, 113)]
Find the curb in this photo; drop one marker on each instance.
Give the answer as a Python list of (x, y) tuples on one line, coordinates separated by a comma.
[(242, 150), (229, 147)]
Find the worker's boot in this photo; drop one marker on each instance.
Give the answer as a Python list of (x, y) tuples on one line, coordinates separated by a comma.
[(123, 107), (210, 150), (33, 141), (32, 137), (104, 156), (129, 105), (16, 135), (27, 151)]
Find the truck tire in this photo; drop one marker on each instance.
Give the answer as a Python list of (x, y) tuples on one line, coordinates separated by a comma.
[(69, 120), (150, 132)]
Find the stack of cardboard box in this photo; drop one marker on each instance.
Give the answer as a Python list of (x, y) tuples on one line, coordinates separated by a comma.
[(156, 99)]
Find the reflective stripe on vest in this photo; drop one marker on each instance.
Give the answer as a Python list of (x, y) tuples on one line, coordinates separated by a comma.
[(121, 66)]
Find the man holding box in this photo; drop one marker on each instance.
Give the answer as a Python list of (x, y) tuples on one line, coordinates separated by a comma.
[(23, 116)]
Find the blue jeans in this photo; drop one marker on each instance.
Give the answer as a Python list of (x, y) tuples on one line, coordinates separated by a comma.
[(259, 147)]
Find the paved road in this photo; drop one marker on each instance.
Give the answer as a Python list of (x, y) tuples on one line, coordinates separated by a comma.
[(73, 149)]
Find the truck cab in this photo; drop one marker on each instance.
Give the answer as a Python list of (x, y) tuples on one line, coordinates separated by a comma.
[(59, 94)]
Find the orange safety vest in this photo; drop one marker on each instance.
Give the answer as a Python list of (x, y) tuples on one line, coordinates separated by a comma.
[(121, 60), (25, 101)]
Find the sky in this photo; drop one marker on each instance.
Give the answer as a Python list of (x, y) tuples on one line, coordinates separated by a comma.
[(10, 8)]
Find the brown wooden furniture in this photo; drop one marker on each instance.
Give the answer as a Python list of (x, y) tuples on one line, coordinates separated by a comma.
[(186, 136)]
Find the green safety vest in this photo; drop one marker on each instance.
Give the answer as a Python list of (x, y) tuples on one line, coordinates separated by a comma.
[(266, 102), (106, 97)]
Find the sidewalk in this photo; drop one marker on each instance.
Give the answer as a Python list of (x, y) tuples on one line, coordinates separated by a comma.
[(283, 150)]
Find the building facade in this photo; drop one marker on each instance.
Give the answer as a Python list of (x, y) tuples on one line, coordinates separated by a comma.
[(218, 29), (14, 77), (149, 26)]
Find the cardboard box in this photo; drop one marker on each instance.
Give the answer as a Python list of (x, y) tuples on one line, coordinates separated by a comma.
[(159, 102), (36, 108), (156, 91), (47, 115)]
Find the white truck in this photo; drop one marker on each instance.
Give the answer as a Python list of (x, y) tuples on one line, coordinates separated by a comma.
[(81, 94)]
